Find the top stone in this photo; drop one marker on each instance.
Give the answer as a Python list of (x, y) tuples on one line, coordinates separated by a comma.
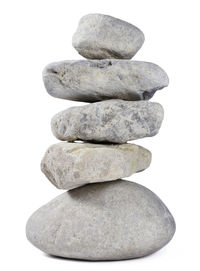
[(101, 36)]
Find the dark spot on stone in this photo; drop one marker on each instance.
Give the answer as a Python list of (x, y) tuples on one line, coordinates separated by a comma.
[(149, 94), (52, 71)]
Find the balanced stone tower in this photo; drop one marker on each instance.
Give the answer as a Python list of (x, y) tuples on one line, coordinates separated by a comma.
[(101, 216)]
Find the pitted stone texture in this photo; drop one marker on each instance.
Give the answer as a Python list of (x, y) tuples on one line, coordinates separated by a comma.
[(70, 165), (103, 221), (114, 121), (101, 36), (97, 80)]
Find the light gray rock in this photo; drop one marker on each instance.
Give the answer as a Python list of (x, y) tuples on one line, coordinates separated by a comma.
[(70, 165), (103, 221), (101, 36), (96, 80), (114, 121)]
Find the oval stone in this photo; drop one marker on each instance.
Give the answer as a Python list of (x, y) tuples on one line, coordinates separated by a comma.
[(114, 121), (101, 36), (70, 165), (97, 80), (103, 221)]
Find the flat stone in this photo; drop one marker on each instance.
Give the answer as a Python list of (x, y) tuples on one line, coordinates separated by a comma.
[(70, 165), (102, 221), (97, 80), (101, 36), (114, 121)]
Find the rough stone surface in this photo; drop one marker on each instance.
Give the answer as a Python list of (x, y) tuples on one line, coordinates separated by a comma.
[(101, 36), (103, 221), (114, 121), (70, 165), (96, 80)]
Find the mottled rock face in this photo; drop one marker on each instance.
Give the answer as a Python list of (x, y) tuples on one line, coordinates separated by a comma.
[(70, 165), (101, 36), (96, 80), (114, 121), (104, 221)]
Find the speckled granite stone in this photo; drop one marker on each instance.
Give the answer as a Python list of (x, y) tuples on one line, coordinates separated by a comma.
[(108, 121)]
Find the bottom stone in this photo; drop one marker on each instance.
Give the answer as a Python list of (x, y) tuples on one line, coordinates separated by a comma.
[(102, 221)]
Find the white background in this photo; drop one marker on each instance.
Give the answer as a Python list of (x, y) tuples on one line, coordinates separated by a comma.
[(35, 33)]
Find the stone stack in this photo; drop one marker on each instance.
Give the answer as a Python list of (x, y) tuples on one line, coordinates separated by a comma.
[(101, 216)]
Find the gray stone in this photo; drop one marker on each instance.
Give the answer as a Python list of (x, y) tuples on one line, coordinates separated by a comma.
[(114, 121), (101, 36), (103, 221), (70, 165), (96, 80)]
